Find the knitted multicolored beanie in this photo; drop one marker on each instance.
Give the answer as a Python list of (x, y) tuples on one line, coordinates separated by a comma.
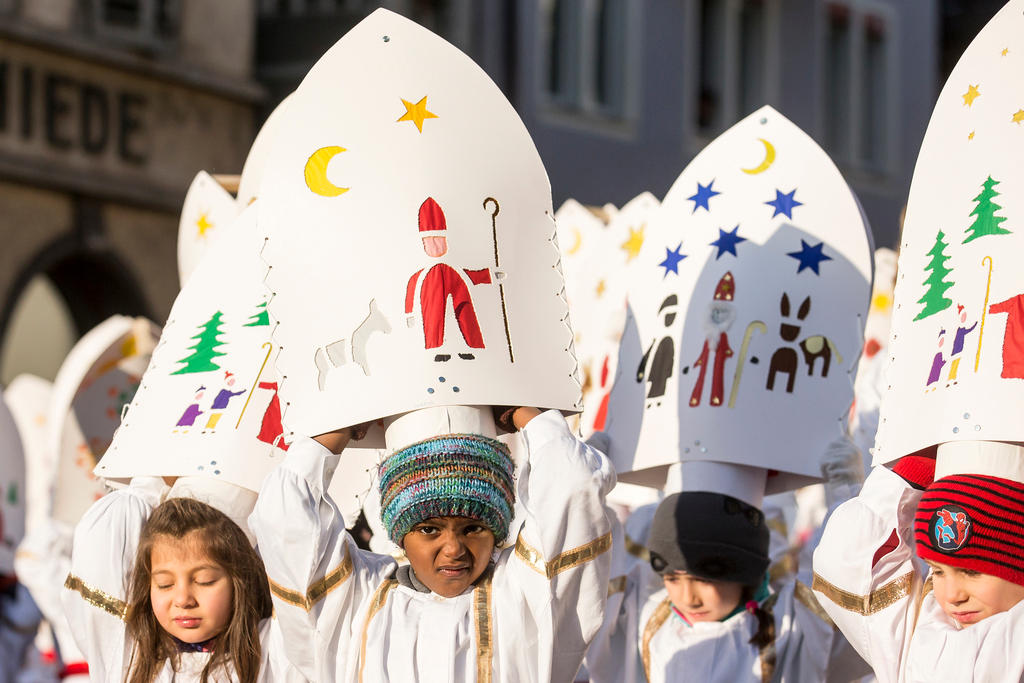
[(972, 521), (455, 475)]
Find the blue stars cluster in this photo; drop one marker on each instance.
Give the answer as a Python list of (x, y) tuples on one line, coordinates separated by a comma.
[(809, 257)]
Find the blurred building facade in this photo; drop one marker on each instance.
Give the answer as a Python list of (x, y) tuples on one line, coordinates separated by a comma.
[(108, 108)]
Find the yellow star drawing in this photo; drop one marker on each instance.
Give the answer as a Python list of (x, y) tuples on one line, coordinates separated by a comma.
[(1018, 116), (417, 113), (600, 288), (1005, 51), (633, 244), (203, 224), (971, 95), (970, 136)]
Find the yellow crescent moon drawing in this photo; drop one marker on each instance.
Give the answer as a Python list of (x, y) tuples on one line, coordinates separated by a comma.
[(769, 159), (316, 172), (577, 243)]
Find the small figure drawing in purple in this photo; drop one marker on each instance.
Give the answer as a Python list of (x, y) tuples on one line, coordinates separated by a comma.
[(221, 400), (938, 361), (958, 341), (188, 418)]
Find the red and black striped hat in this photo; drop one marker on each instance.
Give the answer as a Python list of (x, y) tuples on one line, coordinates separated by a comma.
[(975, 522)]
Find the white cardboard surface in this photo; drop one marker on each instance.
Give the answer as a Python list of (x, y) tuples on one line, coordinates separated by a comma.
[(28, 398), (12, 489), (360, 298), (956, 356), (747, 305), (208, 207)]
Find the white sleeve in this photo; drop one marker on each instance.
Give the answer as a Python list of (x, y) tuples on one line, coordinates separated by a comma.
[(42, 563), (864, 572), (561, 565), (318, 576), (96, 589)]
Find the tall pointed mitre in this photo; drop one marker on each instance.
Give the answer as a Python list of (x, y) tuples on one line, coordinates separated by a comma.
[(207, 208), (208, 403), (747, 306), (409, 239), (256, 160), (956, 355), (12, 489), (97, 379), (28, 398)]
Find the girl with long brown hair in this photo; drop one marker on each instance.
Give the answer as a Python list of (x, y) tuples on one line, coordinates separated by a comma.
[(170, 591)]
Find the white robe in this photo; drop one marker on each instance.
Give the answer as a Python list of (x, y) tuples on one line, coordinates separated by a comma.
[(877, 607), (345, 618), (43, 561), (104, 551), (643, 635)]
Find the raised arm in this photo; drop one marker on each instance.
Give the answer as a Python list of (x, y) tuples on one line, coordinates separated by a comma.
[(318, 577), (561, 562), (96, 589), (864, 572)]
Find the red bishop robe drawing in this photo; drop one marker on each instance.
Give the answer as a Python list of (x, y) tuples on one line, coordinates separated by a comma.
[(441, 282), (721, 314), (1013, 338)]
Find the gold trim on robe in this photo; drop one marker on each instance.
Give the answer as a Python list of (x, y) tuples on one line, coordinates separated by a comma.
[(876, 601), (807, 598), (97, 598), (617, 585), (318, 589), (565, 561), (636, 549), (658, 617), (379, 598), (484, 634)]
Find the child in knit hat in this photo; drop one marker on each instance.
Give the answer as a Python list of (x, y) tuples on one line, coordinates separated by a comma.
[(707, 612), (475, 602), (952, 620)]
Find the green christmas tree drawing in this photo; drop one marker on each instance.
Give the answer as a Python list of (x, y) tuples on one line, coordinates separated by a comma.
[(987, 222), (260, 318), (934, 299), (204, 350)]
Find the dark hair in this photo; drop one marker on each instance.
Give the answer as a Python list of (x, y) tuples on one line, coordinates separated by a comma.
[(224, 543), (764, 636)]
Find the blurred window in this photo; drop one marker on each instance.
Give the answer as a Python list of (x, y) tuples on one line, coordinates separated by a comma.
[(145, 24), (859, 85), (585, 56), (738, 57)]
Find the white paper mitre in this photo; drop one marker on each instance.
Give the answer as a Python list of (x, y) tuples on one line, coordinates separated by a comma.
[(12, 489), (207, 208), (208, 405), (97, 379), (409, 238), (28, 398), (255, 162), (956, 355), (747, 306)]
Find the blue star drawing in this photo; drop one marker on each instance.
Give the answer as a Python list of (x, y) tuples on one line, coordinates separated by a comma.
[(672, 259), (809, 257), (784, 203), (727, 241), (704, 194)]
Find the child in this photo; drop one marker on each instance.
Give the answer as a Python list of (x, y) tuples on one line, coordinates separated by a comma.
[(960, 623), (466, 608), (169, 591), (707, 612)]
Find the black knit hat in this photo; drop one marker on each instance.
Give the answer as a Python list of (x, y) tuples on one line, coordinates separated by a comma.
[(711, 536)]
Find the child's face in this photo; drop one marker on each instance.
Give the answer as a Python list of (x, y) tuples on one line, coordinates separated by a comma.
[(448, 554), (191, 594), (969, 596), (701, 599)]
